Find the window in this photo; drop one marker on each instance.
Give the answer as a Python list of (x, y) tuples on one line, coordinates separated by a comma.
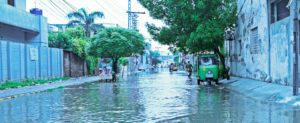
[(254, 42), (11, 2), (279, 10)]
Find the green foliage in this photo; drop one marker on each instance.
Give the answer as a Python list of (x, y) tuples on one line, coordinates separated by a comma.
[(76, 32), (191, 25), (72, 39), (123, 61), (78, 47), (10, 84), (59, 40), (86, 20), (92, 62), (116, 43)]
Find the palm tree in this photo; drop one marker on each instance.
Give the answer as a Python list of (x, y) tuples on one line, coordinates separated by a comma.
[(86, 20)]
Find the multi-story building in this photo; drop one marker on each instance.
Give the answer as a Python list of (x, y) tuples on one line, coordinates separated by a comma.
[(263, 45), (24, 51)]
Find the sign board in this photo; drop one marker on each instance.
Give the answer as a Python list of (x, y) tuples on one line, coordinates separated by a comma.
[(34, 54)]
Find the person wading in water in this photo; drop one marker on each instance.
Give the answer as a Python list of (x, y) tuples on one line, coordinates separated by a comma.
[(189, 69)]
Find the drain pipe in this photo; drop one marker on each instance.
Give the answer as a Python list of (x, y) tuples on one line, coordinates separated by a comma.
[(296, 49), (269, 38)]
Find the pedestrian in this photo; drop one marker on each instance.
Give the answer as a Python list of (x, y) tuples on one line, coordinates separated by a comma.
[(171, 67), (101, 74), (189, 69)]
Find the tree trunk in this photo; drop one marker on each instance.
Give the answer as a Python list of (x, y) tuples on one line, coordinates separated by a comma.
[(115, 69), (222, 58), (115, 65), (123, 71)]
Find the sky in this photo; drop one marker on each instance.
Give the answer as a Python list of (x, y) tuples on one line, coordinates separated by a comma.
[(114, 12)]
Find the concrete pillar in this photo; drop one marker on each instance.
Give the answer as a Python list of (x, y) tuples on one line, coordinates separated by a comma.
[(41, 39)]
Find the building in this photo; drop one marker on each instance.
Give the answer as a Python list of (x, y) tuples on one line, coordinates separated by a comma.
[(263, 45), (24, 44)]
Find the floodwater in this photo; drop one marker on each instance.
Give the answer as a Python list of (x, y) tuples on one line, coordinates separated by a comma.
[(156, 97)]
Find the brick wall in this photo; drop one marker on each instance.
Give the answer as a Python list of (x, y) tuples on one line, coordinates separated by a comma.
[(74, 66)]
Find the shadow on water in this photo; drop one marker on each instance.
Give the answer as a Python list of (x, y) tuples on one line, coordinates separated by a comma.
[(151, 97)]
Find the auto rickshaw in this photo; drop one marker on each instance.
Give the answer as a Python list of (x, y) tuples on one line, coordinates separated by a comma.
[(208, 68)]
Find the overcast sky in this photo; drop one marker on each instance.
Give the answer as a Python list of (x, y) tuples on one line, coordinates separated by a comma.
[(114, 12)]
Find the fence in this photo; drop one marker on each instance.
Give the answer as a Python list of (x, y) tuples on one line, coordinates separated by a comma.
[(22, 61)]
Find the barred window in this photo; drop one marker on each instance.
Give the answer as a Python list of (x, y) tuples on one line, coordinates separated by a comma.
[(279, 10), (254, 42)]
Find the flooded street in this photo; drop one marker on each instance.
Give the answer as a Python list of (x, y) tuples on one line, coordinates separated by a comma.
[(158, 97)]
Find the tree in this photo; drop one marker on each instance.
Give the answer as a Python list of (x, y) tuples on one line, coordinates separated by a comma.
[(115, 43), (74, 40), (124, 62), (85, 20), (60, 40), (192, 26)]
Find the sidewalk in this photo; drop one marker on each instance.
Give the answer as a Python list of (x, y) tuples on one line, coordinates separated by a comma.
[(262, 91), (10, 93)]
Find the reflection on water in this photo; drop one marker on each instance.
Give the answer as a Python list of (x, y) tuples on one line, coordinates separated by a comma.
[(159, 97)]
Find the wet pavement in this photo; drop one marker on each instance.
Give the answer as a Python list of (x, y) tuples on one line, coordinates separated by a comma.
[(156, 97)]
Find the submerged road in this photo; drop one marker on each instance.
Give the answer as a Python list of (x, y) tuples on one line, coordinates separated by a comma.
[(157, 97)]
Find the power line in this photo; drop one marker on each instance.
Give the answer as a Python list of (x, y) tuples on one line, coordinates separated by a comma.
[(65, 6), (58, 7), (50, 12), (55, 9), (71, 6), (56, 12), (111, 13)]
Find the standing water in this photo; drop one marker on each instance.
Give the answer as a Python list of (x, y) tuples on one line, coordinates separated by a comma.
[(160, 97)]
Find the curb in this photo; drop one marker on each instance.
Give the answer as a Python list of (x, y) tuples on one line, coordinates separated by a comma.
[(11, 93), (262, 91)]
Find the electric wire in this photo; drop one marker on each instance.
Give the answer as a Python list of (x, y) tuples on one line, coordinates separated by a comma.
[(63, 5), (70, 5), (58, 7), (109, 12), (54, 8), (51, 10)]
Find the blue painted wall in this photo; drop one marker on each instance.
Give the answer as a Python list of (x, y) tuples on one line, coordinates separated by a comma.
[(16, 63), (274, 62), (21, 31), (28, 28)]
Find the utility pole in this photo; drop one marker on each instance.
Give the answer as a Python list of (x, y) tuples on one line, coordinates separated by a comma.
[(133, 17), (296, 49), (129, 14)]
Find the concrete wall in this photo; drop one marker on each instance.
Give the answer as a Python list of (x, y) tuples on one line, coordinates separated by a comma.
[(34, 27), (19, 62), (19, 4), (274, 59)]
